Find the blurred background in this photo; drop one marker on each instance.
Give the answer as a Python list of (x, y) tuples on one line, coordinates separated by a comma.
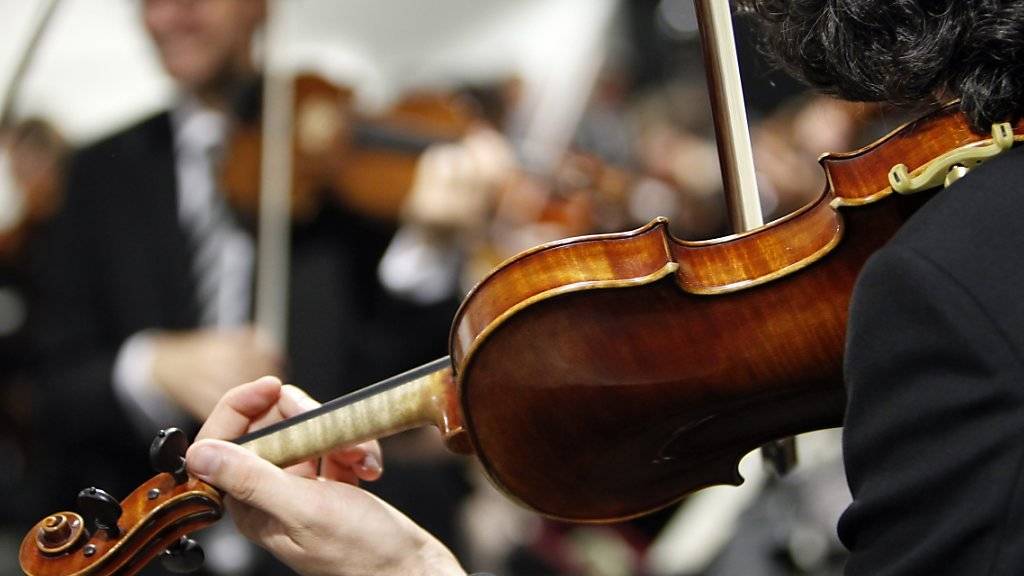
[(431, 141)]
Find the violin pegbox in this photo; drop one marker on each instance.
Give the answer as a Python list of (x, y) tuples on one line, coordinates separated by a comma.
[(111, 538)]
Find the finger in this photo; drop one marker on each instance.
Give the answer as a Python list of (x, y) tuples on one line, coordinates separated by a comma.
[(355, 454), (490, 152), (364, 461), (249, 520), (295, 401), (239, 407), (307, 469), (244, 476), (337, 472), (292, 401)]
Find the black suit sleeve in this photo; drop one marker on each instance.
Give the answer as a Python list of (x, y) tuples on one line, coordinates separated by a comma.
[(934, 425)]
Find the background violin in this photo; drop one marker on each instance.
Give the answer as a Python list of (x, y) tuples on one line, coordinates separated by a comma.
[(366, 162)]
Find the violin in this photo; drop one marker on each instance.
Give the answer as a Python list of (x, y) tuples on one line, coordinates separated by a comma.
[(601, 377), (365, 162)]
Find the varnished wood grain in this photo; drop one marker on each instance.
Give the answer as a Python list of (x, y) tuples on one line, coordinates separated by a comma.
[(595, 388), (148, 526), (427, 400), (862, 174)]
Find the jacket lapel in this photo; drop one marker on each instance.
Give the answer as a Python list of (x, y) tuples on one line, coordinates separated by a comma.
[(171, 263)]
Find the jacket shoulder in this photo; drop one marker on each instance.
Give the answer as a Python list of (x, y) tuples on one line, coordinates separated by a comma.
[(136, 140), (973, 233)]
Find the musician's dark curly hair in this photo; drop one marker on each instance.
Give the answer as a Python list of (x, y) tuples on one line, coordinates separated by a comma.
[(903, 51)]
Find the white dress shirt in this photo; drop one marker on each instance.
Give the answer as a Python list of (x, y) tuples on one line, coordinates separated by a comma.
[(415, 266), (199, 135)]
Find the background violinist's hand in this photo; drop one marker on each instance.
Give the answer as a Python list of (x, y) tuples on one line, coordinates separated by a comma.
[(196, 367), (455, 183), (314, 525)]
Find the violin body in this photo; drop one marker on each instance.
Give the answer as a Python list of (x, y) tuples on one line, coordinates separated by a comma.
[(603, 377), (608, 390)]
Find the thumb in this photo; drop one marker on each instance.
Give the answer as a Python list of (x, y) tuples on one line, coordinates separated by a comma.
[(240, 473)]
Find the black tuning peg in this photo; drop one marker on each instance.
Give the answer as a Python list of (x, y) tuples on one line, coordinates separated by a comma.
[(183, 556), (100, 510), (167, 453)]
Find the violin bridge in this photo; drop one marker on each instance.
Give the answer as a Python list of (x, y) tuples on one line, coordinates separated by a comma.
[(951, 166)]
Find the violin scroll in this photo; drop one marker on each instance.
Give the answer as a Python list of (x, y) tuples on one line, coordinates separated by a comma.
[(107, 537), (59, 532)]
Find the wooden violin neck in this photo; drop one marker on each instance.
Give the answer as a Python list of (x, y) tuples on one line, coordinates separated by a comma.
[(420, 397)]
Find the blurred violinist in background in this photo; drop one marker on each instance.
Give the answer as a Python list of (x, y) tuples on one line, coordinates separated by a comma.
[(146, 280)]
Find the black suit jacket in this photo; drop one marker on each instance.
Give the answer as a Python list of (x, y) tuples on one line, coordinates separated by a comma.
[(934, 432), (116, 262)]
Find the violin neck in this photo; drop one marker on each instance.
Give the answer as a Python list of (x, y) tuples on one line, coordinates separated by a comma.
[(419, 397)]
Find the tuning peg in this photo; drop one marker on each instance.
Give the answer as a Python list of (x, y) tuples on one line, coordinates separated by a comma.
[(167, 453), (183, 556), (100, 509)]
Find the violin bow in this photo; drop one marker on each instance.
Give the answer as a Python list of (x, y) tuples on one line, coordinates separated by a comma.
[(274, 236), (42, 21), (735, 152)]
